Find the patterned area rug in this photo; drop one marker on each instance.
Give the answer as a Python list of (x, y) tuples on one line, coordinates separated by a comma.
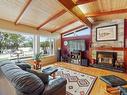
[(77, 83)]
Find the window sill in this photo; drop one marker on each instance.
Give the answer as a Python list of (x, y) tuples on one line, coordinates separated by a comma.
[(48, 55)]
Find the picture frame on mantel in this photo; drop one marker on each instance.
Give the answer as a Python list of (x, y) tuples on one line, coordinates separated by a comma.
[(107, 33)]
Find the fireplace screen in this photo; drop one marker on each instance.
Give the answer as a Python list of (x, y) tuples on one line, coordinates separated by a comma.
[(105, 60), (106, 57)]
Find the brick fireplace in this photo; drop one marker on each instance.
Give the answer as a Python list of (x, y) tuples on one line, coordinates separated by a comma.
[(109, 61), (107, 53)]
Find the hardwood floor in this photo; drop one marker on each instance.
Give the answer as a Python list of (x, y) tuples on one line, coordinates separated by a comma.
[(99, 86)]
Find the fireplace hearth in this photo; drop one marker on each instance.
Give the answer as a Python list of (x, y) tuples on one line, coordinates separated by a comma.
[(108, 61)]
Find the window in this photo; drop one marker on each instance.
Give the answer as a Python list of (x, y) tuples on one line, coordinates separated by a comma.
[(47, 46), (25, 44), (81, 32), (76, 45), (52, 43), (10, 43)]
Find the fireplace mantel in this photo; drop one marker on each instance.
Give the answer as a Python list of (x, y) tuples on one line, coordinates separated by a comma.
[(110, 48)]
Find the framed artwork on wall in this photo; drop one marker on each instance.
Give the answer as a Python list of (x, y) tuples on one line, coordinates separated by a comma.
[(106, 33)]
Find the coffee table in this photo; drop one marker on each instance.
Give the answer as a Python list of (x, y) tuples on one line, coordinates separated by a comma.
[(50, 71)]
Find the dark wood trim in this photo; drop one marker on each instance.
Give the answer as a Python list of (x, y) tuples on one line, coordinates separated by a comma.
[(23, 10), (111, 31), (110, 48), (125, 45), (65, 34), (81, 29), (68, 33), (52, 18), (61, 42)]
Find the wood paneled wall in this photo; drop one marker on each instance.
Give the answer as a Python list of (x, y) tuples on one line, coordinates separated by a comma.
[(48, 60)]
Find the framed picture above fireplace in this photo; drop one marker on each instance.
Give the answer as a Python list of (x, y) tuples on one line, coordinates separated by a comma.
[(106, 33)]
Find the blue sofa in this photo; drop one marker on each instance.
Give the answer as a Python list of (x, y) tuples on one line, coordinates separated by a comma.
[(28, 83)]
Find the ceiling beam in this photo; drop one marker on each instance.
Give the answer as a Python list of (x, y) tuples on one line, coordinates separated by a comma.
[(52, 18), (79, 2), (66, 24), (27, 3), (75, 10), (73, 29), (96, 14)]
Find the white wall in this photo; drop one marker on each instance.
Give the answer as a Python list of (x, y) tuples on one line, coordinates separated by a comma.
[(11, 27)]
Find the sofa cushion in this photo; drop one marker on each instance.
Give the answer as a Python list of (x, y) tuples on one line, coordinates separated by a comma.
[(23, 81), (5, 62), (41, 75), (24, 66)]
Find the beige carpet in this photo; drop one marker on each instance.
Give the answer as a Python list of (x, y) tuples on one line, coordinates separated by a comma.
[(77, 83)]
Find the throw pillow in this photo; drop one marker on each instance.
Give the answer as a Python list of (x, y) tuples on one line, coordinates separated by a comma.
[(42, 76), (24, 66)]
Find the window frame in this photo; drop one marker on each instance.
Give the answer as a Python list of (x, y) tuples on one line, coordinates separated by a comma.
[(74, 32)]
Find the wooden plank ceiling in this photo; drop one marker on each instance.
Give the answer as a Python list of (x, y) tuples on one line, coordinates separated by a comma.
[(61, 15), (101, 10)]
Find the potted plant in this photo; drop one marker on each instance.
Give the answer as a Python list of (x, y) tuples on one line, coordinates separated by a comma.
[(37, 60), (38, 57)]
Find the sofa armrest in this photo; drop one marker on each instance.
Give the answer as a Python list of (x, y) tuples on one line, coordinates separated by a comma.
[(54, 85)]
